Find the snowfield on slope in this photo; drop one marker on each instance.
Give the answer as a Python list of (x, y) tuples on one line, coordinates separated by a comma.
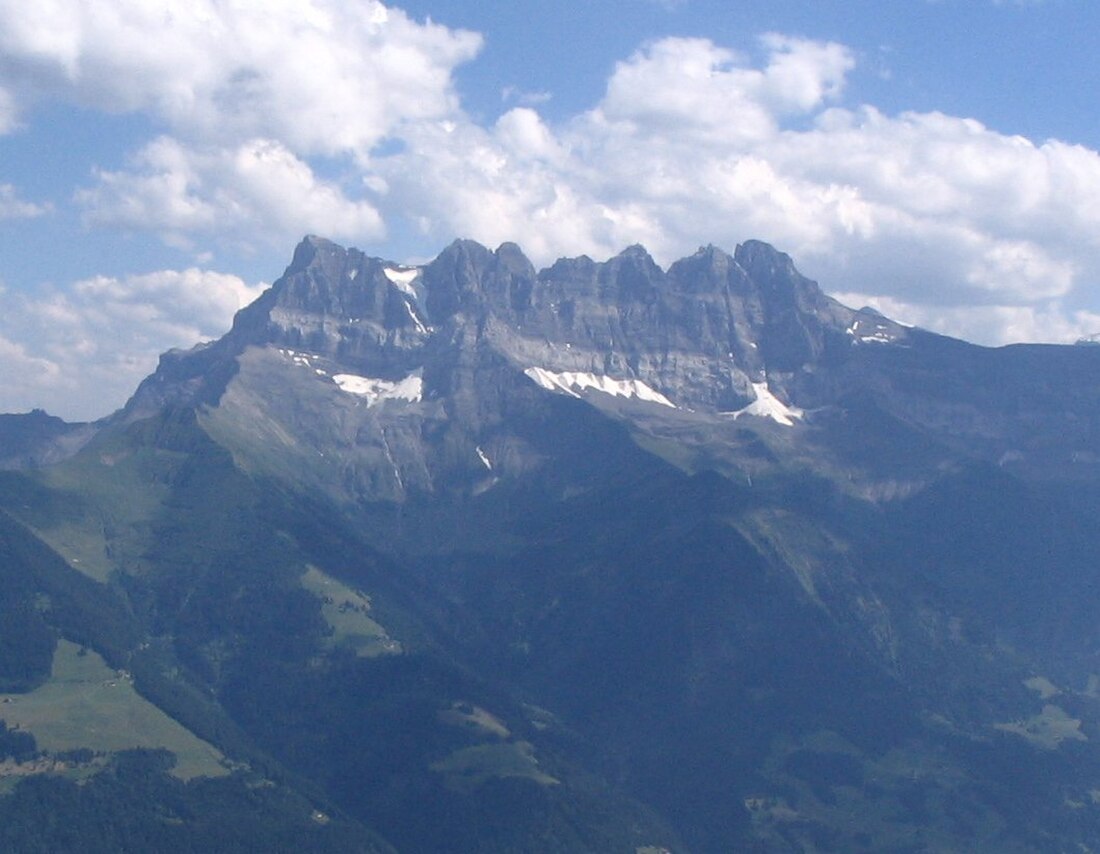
[(374, 390), (573, 382), (767, 405)]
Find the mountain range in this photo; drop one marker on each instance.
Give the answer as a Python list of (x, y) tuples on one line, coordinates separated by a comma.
[(470, 556)]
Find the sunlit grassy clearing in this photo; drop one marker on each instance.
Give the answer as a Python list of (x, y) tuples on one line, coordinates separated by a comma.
[(1047, 729), (475, 717), (345, 610), (469, 767), (86, 704)]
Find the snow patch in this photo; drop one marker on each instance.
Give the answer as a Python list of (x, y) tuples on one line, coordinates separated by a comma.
[(870, 332), (403, 279), (572, 382), (484, 459), (302, 360), (352, 273), (767, 405), (374, 390), (401, 275), (412, 313)]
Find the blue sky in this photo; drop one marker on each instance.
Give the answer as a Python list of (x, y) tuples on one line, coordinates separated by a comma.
[(159, 160)]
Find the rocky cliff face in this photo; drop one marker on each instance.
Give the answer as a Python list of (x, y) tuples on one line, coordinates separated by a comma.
[(713, 337), (702, 333), (736, 358)]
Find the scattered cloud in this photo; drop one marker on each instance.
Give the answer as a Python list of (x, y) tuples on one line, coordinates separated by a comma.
[(12, 207), (670, 145), (78, 349), (8, 121), (258, 192), (322, 76), (249, 92), (26, 377), (691, 91), (510, 94)]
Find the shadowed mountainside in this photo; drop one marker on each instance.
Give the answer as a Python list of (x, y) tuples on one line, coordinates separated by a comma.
[(471, 556)]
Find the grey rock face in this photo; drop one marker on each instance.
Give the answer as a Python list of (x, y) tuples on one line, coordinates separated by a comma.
[(680, 355), (464, 329), (699, 334)]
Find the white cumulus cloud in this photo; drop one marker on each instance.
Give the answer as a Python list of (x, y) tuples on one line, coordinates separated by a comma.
[(249, 91), (80, 351), (258, 192), (320, 75), (692, 90)]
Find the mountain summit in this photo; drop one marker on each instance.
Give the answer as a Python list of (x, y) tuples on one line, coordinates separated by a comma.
[(473, 556), (705, 331), (731, 345), (408, 351)]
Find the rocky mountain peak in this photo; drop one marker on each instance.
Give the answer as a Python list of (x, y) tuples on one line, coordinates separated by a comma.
[(759, 258), (469, 277), (314, 251), (326, 279), (706, 334), (511, 256)]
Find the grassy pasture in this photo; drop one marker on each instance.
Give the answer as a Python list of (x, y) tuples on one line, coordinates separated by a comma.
[(1048, 729), (466, 769), (347, 613), (475, 718), (86, 704), (95, 509)]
